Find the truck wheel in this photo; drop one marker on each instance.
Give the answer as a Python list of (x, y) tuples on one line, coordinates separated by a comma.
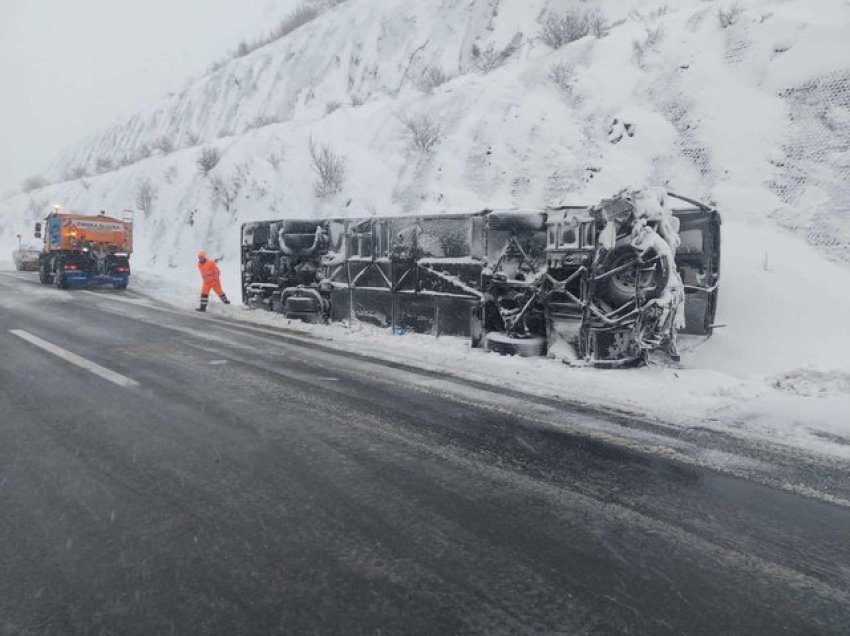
[(621, 287), (59, 280), (44, 277), (508, 345)]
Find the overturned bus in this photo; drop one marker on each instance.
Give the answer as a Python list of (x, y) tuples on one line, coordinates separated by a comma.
[(603, 285)]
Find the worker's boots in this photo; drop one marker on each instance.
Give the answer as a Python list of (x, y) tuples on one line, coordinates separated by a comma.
[(224, 300), (204, 301)]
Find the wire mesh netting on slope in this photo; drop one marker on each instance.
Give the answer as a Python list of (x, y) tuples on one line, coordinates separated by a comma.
[(813, 176)]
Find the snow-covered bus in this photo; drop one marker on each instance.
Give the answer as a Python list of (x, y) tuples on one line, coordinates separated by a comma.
[(604, 284)]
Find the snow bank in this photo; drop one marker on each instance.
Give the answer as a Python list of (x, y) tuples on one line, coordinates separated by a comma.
[(766, 374)]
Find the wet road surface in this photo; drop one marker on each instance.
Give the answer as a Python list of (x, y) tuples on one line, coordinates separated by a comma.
[(243, 483)]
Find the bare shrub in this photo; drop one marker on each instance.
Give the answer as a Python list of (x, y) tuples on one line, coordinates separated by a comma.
[(660, 12), (558, 30), (104, 165), (74, 174), (298, 18), (242, 180), (163, 144), (146, 194), (258, 189), (562, 75), (729, 16), (654, 35), (170, 174), (275, 159), (433, 78), (491, 58), (34, 183), (242, 173), (488, 60), (332, 107), (357, 100), (225, 191), (144, 151), (423, 132), (304, 13), (261, 121), (329, 169), (599, 26), (208, 160), (192, 138)]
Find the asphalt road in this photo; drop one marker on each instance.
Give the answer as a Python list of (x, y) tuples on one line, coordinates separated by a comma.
[(163, 473)]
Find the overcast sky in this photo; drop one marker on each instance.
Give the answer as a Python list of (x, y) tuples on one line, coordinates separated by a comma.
[(70, 67)]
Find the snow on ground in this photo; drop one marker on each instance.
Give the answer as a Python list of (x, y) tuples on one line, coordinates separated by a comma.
[(768, 374), (754, 117)]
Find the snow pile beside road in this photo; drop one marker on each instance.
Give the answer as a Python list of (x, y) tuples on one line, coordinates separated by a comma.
[(746, 107), (764, 375)]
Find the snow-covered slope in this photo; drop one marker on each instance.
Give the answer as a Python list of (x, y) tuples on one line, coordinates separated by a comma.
[(753, 116), (746, 104)]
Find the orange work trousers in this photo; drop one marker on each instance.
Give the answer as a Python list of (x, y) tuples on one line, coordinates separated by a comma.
[(214, 285)]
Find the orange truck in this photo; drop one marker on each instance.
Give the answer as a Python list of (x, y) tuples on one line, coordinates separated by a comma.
[(84, 251)]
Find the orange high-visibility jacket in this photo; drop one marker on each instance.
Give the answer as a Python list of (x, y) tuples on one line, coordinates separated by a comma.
[(209, 271)]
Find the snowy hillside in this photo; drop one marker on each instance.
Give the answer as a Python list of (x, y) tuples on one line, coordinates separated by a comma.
[(462, 104), (753, 116)]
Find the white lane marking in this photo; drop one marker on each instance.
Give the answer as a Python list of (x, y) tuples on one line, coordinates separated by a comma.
[(73, 358)]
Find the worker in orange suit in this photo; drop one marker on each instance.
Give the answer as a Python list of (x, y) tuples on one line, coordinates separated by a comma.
[(211, 280)]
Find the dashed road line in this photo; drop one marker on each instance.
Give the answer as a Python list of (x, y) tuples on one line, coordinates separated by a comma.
[(73, 358)]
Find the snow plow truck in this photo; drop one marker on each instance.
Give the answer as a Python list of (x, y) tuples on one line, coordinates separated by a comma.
[(84, 250)]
